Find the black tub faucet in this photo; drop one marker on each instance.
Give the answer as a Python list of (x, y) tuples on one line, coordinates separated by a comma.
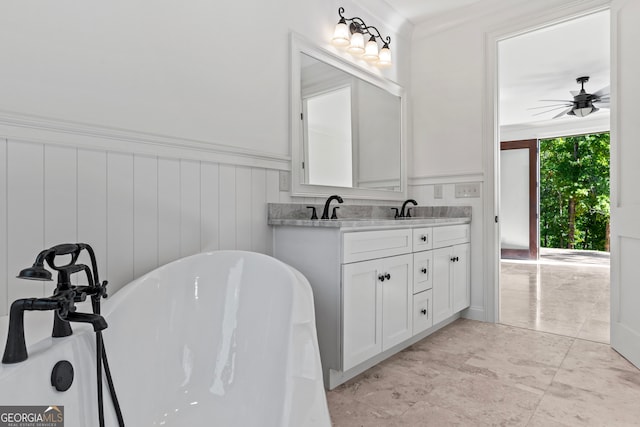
[(62, 302), (408, 214), (325, 212)]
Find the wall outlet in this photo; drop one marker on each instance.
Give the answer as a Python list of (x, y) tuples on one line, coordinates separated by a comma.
[(285, 183), (437, 191), (468, 189)]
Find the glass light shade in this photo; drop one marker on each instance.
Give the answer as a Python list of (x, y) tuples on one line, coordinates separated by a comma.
[(371, 50), (583, 112), (357, 44), (384, 57), (341, 34)]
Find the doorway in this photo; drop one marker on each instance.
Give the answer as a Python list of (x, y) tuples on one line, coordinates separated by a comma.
[(552, 292), (519, 196)]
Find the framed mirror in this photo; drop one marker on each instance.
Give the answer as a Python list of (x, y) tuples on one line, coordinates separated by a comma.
[(347, 128)]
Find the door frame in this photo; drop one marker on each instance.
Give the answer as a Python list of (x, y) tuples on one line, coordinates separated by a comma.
[(532, 252)]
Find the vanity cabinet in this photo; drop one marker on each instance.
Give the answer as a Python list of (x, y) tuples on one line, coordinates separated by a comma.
[(377, 301), (376, 289)]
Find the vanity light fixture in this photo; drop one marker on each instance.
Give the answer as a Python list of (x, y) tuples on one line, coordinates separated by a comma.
[(353, 36)]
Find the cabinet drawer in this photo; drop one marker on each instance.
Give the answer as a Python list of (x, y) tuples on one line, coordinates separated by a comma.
[(422, 239), (450, 235), (364, 245), (422, 271), (422, 308)]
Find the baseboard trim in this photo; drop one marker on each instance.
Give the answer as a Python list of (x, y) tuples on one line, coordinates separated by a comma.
[(474, 313)]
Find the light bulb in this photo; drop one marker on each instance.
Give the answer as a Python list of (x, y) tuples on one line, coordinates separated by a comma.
[(384, 56), (341, 34), (357, 44), (371, 50)]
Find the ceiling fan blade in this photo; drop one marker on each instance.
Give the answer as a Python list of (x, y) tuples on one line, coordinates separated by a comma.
[(566, 104), (602, 92), (602, 99), (553, 109), (602, 105), (563, 113)]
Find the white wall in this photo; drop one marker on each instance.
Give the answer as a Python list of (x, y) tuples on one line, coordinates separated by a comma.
[(449, 110), (150, 129)]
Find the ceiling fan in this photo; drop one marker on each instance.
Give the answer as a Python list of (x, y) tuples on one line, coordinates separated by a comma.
[(583, 103)]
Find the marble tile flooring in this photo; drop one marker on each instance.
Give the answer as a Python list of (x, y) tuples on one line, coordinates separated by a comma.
[(479, 374), (566, 293)]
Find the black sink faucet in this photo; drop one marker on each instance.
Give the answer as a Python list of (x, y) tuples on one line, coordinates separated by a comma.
[(408, 214), (62, 302), (325, 212)]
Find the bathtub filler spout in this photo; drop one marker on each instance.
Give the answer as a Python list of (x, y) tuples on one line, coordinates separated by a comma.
[(63, 304)]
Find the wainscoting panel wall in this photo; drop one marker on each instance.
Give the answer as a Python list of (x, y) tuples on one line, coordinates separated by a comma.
[(138, 211)]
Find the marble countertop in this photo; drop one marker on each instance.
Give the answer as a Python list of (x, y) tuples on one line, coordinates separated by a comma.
[(360, 223)]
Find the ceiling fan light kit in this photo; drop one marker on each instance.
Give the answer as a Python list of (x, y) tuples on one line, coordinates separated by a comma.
[(583, 103)]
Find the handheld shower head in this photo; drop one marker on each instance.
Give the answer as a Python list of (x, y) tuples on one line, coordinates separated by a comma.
[(35, 272)]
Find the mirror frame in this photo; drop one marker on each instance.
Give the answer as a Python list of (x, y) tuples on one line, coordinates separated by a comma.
[(300, 45)]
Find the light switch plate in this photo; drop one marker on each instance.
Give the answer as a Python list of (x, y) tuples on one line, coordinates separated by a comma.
[(284, 181), (467, 190), (437, 191)]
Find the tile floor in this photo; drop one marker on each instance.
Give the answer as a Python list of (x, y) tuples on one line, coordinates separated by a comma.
[(566, 293), (548, 364), (479, 374)]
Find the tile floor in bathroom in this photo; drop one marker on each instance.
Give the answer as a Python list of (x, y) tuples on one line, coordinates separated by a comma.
[(475, 374)]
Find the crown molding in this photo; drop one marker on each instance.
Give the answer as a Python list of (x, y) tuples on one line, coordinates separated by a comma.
[(553, 129), (17, 126), (389, 18), (499, 12)]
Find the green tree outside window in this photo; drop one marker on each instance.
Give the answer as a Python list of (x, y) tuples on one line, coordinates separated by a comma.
[(574, 192)]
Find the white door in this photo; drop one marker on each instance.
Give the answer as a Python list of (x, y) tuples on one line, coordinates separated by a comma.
[(625, 176), (361, 308), (397, 300)]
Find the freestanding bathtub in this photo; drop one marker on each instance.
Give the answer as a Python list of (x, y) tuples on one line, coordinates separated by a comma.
[(224, 338)]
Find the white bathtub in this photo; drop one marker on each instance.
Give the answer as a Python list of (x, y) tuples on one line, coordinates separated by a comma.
[(224, 338)]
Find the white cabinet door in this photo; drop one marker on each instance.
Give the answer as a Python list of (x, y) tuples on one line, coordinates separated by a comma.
[(442, 303), (361, 312), (460, 277), (397, 299)]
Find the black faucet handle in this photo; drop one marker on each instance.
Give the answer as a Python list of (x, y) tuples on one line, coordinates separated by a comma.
[(314, 214), (397, 214), (334, 214)]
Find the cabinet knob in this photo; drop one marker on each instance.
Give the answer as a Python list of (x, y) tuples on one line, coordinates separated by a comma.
[(381, 277), (424, 311), (387, 276), (424, 271), (423, 238), (457, 259)]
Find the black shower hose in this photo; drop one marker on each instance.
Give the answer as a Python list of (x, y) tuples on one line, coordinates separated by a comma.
[(101, 358)]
